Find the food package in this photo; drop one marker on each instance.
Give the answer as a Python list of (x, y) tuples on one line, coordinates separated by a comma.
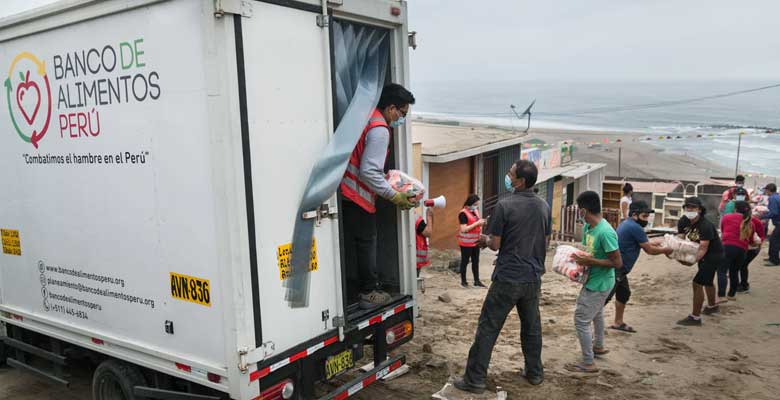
[(564, 265), (682, 249), (404, 183), (756, 243), (760, 212)]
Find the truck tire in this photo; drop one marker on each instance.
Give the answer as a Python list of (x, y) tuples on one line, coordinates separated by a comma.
[(115, 380)]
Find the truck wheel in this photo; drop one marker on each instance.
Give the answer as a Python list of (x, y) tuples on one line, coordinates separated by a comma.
[(115, 380)]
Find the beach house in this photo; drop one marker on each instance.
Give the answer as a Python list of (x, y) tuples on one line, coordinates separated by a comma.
[(455, 160)]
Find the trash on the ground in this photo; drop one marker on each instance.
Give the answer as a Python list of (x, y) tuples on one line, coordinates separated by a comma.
[(449, 392), (399, 372), (445, 298)]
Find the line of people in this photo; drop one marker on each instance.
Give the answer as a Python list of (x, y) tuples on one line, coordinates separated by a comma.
[(520, 231)]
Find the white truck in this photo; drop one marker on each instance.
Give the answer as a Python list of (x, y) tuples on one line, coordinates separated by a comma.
[(154, 154)]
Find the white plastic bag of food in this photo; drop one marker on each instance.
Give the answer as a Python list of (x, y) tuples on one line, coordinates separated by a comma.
[(760, 211), (404, 183), (564, 265), (682, 249)]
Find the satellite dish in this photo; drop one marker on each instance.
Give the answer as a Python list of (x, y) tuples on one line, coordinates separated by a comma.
[(526, 112)]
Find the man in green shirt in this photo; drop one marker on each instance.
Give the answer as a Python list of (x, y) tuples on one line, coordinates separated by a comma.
[(601, 242)]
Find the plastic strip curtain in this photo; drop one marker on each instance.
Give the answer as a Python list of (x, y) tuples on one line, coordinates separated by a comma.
[(360, 54)]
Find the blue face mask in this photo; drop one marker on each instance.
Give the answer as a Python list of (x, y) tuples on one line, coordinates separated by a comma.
[(398, 122), (508, 184)]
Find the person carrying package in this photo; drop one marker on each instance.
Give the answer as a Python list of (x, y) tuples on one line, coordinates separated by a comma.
[(737, 233), (740, 194), (601, 242), (520, 230), (759, 236), (631, 239), (696, 228), (422, 230), (363, 181), (730, 193), (774, 216)]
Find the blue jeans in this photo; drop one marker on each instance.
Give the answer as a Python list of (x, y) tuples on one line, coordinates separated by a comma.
[(590, 313), (500, 300)]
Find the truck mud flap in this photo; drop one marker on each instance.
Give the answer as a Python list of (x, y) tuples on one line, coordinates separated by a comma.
[(362, 381)]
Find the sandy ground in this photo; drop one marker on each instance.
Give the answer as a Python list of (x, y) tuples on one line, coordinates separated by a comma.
[(638, 159), (735, 355)]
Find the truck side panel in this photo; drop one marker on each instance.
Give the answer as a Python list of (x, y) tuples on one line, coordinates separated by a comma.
[(108, 210)]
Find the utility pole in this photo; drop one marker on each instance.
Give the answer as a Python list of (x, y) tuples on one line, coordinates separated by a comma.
[(620, 159), (739, 147)]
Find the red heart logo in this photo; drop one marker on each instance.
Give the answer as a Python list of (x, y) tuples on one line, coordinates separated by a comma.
[(27, 94)]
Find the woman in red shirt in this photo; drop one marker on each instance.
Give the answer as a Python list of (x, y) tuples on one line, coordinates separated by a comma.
[(737, 231), (753, 250)]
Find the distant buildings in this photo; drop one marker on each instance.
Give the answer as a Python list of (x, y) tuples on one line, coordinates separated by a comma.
[(454, 161)]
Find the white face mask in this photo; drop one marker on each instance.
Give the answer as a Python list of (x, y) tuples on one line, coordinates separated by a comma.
[(740, 198), (691, 214)]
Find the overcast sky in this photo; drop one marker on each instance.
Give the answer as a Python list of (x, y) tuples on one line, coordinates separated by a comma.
[(595, 39), (587, 39)]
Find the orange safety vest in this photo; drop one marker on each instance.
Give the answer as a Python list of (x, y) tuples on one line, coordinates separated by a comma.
[(422, 246), (351, 186), (470, 238)]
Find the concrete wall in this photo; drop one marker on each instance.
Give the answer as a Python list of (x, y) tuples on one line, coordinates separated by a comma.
[(557, 203), (417, 163), (454, 180)]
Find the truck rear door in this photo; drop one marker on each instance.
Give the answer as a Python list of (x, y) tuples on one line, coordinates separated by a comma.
[(287, 80)]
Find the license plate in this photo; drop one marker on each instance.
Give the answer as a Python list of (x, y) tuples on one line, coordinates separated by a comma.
[(339, 363)]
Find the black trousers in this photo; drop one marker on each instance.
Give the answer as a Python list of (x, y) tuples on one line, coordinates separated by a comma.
[(743, 272), (500, 300), (774, 246), (466, 254), (360, 245), (735, 257)]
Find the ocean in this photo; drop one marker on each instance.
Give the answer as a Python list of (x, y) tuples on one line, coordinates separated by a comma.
[(622, 106)]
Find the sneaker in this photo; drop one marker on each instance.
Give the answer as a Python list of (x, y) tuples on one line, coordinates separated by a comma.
[(462, 384), (770, 264), (732, 298), (464, 285), (374, 299), (689, 321), (746, 288), (741, 289), (710, 310), (535, 380), (479, 284)]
